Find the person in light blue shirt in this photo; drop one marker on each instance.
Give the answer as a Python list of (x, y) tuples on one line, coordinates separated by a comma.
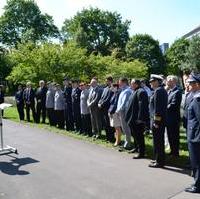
[(121, 109)]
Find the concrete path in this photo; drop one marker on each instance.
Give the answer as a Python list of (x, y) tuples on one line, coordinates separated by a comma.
[(52, 166)]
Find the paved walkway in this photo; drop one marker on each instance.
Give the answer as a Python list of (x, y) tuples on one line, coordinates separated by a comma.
[(52, 166)]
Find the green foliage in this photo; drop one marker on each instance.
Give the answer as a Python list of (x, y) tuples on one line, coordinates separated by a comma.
[(52, 62), (22, 21), (96, 30), (4, 64), (176, 56), (193, 55), (144, 48)]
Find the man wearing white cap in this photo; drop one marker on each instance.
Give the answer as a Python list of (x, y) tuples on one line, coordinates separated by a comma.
[(158, 107)]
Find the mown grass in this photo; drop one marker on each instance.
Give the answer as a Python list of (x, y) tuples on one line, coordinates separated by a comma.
[(11, 114)]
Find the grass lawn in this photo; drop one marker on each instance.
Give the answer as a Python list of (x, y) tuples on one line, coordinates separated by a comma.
[(11, 114)]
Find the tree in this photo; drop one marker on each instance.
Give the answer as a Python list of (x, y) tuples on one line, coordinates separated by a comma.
[(176, 56), (144, 48), (23, 20), (4, 64), (33, 62), (192, 55), (96, 30)]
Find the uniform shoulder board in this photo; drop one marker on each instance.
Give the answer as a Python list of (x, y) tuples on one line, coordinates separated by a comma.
[(197, 96)]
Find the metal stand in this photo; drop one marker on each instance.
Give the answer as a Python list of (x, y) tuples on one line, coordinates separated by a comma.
[(7, 149)]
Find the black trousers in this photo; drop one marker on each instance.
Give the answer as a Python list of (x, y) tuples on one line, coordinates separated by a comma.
[(77, 118), (69, 122), (32, 108), (40, 108), (194, 151), (159, 144), (60, 120), (86, 124), (20, 109), (138, 135), (173, 133), (51, 116), (110, 131)]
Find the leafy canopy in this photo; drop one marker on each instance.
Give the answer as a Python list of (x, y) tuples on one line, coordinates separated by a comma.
[(96, 30), (23, 20), (144, 48)]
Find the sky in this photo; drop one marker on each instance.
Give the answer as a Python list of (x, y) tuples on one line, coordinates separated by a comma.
[(165, 20)]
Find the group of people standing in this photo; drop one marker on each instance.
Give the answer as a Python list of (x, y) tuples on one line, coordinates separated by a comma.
[(122, 108)]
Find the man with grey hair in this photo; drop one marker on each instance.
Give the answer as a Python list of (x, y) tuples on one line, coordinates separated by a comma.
[(41, 101), (92, 102), (29, 99), (173, 114)]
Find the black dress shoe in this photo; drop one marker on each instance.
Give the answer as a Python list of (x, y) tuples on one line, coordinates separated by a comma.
[(138, 156), (192, 189), (155, 165)]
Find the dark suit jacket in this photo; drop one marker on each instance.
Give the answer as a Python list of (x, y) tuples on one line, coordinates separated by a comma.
[(29, 97), (76, 94), (173, 106), (19, 98), (158, 106), (193, 128), (188, 100), (68, 95), (137, 110), (41, 95), (1, 97), (105, 98), (113, 102)]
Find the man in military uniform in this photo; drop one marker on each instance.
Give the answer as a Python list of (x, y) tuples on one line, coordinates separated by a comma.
[(76, 94), (104, 104), (41, 101), (137, 115), (193, 131), (173, 114), (68, 105), (158, 108)]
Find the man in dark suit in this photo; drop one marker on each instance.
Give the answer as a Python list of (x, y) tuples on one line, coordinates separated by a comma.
[(1, 97), (29, 99), (193, 131), (104, 104), (173, 115), (41, 101), (20, 102), (137, 115), (68, 105), (76, 94), (93, 99), (158, 108)]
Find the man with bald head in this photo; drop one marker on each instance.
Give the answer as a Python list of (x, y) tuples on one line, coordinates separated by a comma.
[(92, 102)]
